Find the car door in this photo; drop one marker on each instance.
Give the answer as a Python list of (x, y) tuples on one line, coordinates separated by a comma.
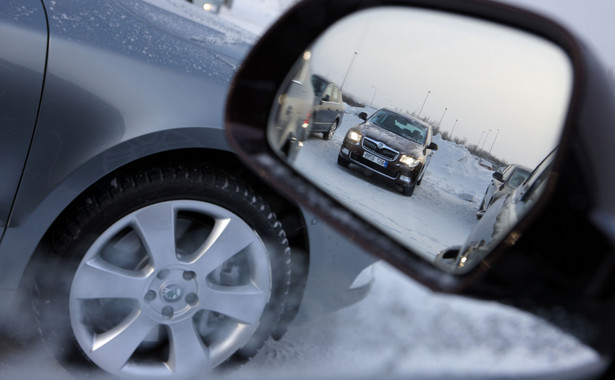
[(324, 110), (23, 51)]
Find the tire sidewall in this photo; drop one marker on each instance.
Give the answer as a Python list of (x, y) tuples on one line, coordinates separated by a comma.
[(124, 195)]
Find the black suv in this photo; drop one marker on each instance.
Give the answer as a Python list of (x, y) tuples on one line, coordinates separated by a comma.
[(394, 145)]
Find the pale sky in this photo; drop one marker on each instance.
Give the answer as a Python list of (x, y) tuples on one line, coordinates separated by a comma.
[(590, 20), (486, 76)]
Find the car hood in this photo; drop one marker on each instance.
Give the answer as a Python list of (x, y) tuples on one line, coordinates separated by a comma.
[(393, 140)]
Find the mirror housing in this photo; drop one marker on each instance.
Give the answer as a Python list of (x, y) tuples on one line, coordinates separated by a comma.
[(498, 176), (558, 259), (363, 116), (432, 146)]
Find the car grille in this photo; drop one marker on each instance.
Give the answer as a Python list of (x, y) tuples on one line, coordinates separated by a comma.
[(385, 152)]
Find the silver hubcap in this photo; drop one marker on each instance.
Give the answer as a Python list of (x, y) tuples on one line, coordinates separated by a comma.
[(170, 290)]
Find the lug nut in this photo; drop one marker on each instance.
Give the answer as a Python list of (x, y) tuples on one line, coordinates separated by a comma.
[(150, 296), (192, 299), (163, 274), (168, 312), (189, 275)]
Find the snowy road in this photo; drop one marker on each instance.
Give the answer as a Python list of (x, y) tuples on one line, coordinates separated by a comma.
[(404, 330)]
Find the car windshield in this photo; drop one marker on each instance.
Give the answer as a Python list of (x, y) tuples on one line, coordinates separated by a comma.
[(400, 125), (319, 85), (518, 177)]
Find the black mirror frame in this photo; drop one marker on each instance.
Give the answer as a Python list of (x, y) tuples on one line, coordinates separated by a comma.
[(575, 193)]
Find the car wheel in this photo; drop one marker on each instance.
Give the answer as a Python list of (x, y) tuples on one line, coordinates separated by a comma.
[(341, 161), (482, 203), (329, 135), (408, 190), (169, 273), (418, 183)]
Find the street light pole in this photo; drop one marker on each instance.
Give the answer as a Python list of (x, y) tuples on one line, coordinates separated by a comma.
[(454, 127), (486, 137), (423, 105), (373, 96), (480, 138), (348, 71), (496, 136), (440, 122)]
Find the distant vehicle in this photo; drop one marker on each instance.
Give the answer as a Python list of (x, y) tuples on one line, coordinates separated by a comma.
[(502, 184), (396, 146), (293, 117), (328, 107), (499, 219), (212, 6)]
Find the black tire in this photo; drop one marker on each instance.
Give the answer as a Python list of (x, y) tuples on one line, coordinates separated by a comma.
[(329, 135), (108, 262), (408, 190), (341, 161)]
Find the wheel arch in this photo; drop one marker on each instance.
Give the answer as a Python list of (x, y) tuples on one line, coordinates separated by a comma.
[(184, 146)]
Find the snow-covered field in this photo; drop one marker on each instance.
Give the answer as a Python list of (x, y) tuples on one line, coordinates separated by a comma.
[(402, 330)]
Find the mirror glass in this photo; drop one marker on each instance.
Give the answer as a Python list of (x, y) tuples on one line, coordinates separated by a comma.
[(427, 124)]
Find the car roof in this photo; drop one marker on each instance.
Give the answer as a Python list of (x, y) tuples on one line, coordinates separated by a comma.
[(325, 79), (529, 170)]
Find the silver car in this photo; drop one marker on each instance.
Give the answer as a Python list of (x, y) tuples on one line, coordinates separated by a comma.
[(143, 243), (503, 183)]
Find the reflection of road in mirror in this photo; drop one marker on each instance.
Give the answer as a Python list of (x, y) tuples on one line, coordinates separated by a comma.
[(500, 92), (440, 213)]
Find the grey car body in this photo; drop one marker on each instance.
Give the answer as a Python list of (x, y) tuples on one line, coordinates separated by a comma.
[(328, 106), (501, 216), (292, 114), (92, 88), (502, 184)]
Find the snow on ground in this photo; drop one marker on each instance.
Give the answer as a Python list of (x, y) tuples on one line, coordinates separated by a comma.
[(255, 15), (403, 330)]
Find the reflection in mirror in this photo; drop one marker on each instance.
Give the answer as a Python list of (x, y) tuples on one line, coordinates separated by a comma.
[(428, 124)]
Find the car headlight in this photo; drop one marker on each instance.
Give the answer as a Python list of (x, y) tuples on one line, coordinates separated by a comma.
[(409, 161), (354, 136)]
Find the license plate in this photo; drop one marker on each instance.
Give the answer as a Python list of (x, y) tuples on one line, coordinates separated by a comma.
[(374, 159)]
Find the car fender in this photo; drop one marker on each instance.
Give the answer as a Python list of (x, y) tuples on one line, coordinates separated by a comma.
[(37, 205)]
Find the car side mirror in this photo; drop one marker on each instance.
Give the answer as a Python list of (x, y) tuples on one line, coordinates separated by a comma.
[(498, 176), (432, 146), (326, 98), (554, 251)]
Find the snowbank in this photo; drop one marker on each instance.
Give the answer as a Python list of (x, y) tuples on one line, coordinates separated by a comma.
[(455, 171)]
